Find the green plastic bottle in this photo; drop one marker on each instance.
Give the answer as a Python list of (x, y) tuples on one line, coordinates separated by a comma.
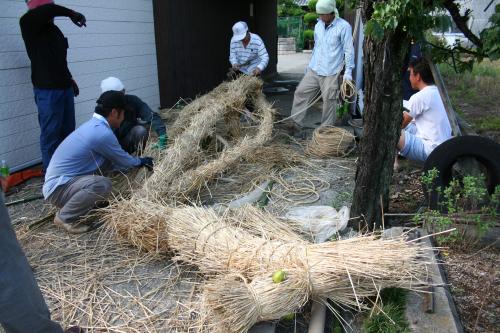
[(4, 169)]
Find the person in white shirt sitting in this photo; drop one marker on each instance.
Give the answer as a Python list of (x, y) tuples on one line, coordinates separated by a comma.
[(247, 52), (426, 125)]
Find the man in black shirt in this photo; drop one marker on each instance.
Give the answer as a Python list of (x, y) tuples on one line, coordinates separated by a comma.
[(134, 130), (53, 84)]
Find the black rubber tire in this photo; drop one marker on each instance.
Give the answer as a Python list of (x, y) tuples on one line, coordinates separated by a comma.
[(444, 156)]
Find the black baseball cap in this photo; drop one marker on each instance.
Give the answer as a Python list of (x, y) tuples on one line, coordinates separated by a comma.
[(112, 99)]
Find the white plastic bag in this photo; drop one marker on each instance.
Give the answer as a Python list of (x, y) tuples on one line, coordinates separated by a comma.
[(322, 222)]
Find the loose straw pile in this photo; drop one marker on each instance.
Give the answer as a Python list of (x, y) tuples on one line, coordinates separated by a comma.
[(330, 141)]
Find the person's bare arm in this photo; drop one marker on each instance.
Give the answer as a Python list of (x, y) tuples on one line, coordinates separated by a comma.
[(406, 119)]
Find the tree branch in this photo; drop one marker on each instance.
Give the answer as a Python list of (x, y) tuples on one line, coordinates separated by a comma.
[(461, 22), (459, 49)]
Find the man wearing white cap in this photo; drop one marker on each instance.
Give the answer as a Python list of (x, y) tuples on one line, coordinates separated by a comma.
[(247, 52), (133, 132), (333, 47)]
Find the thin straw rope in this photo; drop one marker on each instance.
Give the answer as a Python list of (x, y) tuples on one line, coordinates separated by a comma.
[(348, 91), (330, 141)]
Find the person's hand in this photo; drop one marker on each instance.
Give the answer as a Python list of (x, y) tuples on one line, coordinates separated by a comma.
[(78, 19), (76, 90), (347, 77), (147, 162), (406, 119), (256, 71), (236, 67), (162, 142)]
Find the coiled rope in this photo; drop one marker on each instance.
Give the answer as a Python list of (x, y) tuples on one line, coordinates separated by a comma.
[(328, 141)]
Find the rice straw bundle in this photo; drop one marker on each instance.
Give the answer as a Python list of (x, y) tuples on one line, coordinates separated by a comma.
[(345, 271), (251, 301), (328, 141), (204, 113), (233, 125), (192, 180), (140, 222)]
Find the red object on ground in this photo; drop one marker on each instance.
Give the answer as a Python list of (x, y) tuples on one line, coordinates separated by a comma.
[(19, 177)]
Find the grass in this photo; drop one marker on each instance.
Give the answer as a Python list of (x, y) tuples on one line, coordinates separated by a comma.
[(392, 319), (474, 95), (488, 123)]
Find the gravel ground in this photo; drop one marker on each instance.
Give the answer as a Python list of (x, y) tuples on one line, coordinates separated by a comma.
[(475, 285)]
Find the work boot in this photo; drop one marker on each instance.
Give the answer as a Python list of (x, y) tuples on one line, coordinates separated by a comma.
[(76, 228)]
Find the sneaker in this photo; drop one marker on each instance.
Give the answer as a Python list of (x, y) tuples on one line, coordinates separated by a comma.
[(76, 228)]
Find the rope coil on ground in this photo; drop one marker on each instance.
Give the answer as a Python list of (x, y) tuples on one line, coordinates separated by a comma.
[(330, 141)]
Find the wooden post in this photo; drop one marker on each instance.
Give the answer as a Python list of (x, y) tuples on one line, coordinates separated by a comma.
[(438, 79)]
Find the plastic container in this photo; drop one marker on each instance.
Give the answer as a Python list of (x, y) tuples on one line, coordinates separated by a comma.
[(4, 169)]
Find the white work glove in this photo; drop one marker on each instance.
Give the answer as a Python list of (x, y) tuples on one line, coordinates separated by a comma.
[(347, 77)]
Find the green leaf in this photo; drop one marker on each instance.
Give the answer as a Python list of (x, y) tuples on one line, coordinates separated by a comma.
[(374, 30)]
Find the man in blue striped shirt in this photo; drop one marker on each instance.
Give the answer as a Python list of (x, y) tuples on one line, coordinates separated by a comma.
[(71, 181), (333, 47), (247, 52)]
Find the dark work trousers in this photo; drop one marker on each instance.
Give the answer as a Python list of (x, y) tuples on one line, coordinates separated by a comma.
[(56, 116), (135, 139), (22, 307)]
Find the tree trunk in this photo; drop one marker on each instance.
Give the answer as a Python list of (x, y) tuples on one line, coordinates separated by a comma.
[(382, 116)]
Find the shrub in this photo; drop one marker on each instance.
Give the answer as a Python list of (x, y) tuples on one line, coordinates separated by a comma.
[(310, 19), (308, 34), (289, 8), (466, 202)]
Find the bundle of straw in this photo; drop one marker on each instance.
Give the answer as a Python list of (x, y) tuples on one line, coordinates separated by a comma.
[(344, 271), (195, 123), (192, 180), (328, 141)]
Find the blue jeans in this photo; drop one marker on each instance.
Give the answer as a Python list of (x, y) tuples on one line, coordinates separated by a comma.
[(22, 307), (414, 148), (56, 116)]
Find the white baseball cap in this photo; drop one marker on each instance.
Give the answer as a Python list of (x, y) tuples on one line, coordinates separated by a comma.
[(239, 31), (112, 83)]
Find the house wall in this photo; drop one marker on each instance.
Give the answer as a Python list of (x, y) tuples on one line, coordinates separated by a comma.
[(119, 41), (193, 39), (479, 17)]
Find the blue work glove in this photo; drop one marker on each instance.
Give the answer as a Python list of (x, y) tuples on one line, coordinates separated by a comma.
[(146, 162), (162, 142)]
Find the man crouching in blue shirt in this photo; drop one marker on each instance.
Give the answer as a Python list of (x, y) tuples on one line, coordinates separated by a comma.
[(71, 182)]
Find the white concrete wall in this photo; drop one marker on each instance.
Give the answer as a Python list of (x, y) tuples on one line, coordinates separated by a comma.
[(118, 41), (479, 17)]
